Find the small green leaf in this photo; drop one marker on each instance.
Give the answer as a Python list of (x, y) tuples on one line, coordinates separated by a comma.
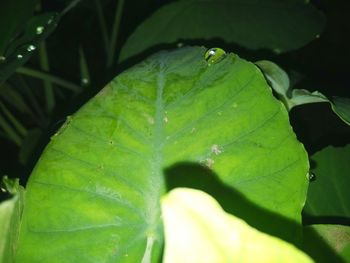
[(279, 81), (197, 229), (341, 106), (276, 76)]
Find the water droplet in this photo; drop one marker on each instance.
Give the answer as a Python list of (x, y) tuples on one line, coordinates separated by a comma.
[(85, 81), (277, 51), (180, 44), (50, 20), (2, 59), (39, 30), (19, 56), (311, 176), (317, 36), (31, 48), (214, 55)]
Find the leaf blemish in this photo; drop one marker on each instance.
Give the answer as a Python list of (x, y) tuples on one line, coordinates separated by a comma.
[(149, 119), (215, 149), (209, 163)]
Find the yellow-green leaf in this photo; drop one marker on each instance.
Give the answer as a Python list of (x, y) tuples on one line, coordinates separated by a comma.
[(197, 229)]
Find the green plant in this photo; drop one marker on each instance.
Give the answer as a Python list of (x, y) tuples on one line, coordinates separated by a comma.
[(188, 118)]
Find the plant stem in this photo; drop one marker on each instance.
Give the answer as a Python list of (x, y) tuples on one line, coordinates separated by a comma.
[(54, 79), (115, 31), (44, 64), (20, 128), (9, 131), (84, 69), (103, 26), (70, 6)]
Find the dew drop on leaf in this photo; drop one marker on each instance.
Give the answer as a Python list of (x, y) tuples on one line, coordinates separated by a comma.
[(19, 56), (85, 81), (39, 30), (2, 59), (277, 51), (214, 55), (311, 176), (31, 48)]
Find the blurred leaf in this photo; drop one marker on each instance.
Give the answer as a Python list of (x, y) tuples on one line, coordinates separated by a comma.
[(336, 236), (14, 14), (96, 189), (10, 216), (35, 31), (197, 229), (9, 131), (279, 81), (14, 98), (16, 123), (341, 106), (9, 185), (271, 24), (329, 194)]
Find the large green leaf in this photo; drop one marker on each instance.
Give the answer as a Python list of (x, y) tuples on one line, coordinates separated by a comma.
[(94, 194), (271, 24), (328, 196), (198, 230)]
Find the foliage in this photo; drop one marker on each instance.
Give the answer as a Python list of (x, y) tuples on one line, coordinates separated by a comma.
[(95, 193)]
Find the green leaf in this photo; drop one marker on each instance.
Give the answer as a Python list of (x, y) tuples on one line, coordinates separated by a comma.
[(277, 25), (10, 214), (279, 81), (276, 76), (198, 230), (329, 195), (94, 194), (336, 236)]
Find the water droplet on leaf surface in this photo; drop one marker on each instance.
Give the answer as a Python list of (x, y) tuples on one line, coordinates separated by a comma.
[(311, 176), (39, 30), (19, 56), (214, 55), (31, 48)]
